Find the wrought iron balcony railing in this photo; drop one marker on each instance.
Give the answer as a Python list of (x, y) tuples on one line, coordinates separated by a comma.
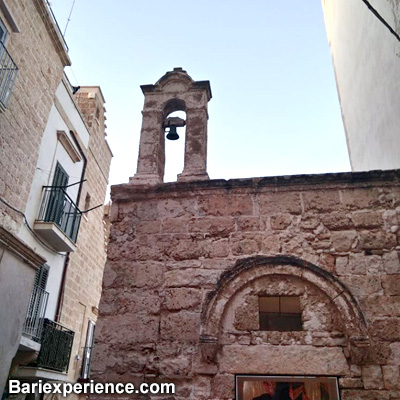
[(8, 75), (56, 347), (35, 316), (58, 207)]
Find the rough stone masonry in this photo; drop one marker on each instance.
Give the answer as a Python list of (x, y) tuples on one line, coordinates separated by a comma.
[(188, 261)]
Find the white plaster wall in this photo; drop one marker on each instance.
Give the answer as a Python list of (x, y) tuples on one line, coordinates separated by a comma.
[(74, 116), (366, 59), (51, 151)]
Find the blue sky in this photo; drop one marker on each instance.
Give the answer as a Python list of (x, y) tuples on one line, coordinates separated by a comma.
[(275, 108)]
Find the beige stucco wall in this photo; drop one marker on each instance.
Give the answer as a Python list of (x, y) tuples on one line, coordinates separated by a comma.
[(366, 57)]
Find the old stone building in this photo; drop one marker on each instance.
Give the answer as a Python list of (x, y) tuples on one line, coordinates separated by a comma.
[(248, 288), (54, 172)]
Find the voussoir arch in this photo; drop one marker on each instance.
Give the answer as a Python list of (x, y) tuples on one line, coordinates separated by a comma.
[(250, 269)]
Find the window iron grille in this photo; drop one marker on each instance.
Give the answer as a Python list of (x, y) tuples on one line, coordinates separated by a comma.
[(56, 347), (8, 75), (33, 324)]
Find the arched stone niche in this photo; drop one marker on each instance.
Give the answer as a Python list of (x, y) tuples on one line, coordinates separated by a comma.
[(175, 91), (332, 321)]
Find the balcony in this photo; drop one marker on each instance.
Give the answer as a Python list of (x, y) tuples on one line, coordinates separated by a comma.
[(54, 352), (8, 75), (56, 347), (33, 325), (59, 219)]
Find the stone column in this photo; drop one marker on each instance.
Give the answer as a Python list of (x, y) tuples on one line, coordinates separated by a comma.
[(151, 160), (195, 167)]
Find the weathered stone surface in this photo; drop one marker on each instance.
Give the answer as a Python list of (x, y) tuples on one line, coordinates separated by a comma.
[(367, 219), (270, 203), (144, 274), (280, 221), (394, 356), (246, 316), (191, 278), (118, 301), (245, 224), (372, 377), (363, 285), (321, 201), (377, 240), (352, 265), (365, 395), (391, 285), (245, 244), (374, 264), (343, 240), (223, 387), (182, 298), (182, 326), (350, 383), (387, 329), (391, 262), (125, 334), (218, 205), (391, 376), (213, 226), (336, 221), (279, 360)]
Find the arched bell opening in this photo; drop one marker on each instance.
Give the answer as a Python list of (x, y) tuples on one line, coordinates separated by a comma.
[(175, 134)]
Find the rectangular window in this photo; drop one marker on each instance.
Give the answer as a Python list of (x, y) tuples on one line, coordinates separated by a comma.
[(251, 387), (280, 313)]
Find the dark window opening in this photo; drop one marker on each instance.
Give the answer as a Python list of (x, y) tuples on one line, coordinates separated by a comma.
[(87, 201), (280, 313)]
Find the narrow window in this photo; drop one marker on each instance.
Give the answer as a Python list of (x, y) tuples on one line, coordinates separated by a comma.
[(3, 32), (87, 351), (8, 70), (280, 313), (87, 202)]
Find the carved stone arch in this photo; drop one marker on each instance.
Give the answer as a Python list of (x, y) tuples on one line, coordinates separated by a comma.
[(245, 271), (172, 105)]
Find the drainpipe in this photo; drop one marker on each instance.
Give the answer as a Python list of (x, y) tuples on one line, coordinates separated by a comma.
[(67, 258)]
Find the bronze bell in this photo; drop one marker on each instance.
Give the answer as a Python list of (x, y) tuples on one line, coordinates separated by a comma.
[(172, 134)]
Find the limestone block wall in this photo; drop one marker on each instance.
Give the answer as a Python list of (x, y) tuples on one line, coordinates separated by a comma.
[(82, 289), (40, 57), (187, 262)]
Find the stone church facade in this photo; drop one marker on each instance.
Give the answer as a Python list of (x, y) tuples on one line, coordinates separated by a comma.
[(196, 269)]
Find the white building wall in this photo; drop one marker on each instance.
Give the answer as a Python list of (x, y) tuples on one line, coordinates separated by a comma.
[(366, 57), (51, 152)]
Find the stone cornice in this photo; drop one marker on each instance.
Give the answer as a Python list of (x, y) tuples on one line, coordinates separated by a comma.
[(20, 249), (129, 192), (53, 31)]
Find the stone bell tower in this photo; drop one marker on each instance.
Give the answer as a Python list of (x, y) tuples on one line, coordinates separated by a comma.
[(175, 91)]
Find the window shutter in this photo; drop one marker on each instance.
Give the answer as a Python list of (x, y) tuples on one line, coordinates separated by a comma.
[(41, 276), (3, 32), (60, 176)]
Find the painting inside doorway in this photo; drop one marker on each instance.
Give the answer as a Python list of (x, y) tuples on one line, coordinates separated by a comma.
[(253, 387)]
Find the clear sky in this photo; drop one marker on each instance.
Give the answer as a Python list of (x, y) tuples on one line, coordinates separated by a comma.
[(275, 108)]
